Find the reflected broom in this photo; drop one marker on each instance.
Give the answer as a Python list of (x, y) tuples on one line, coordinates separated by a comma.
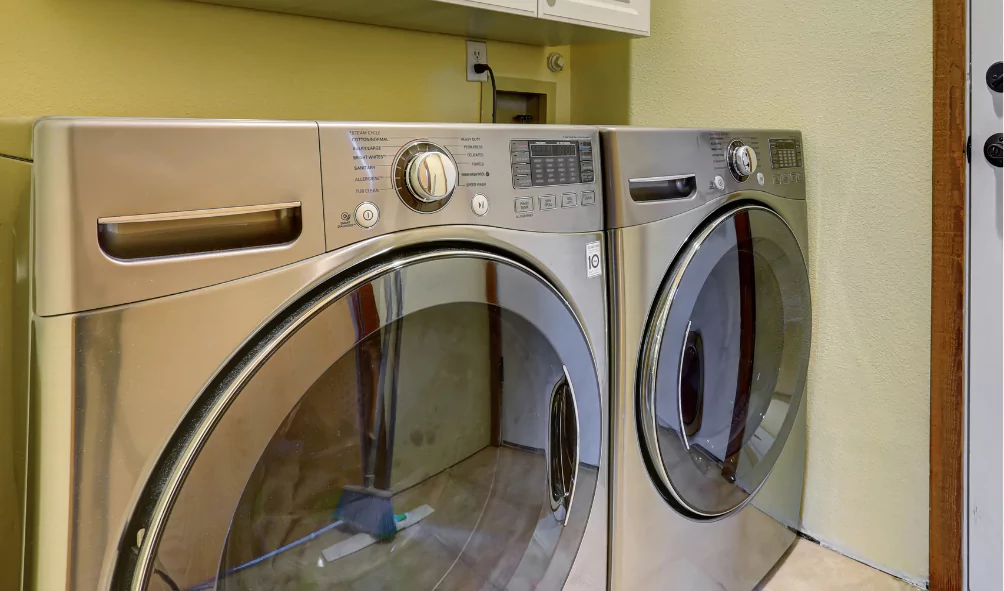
[(368, 508)]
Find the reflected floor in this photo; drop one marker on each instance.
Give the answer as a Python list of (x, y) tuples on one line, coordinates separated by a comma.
[(695, 482), (482, 535)]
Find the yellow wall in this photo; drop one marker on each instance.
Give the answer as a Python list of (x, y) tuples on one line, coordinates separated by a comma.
[(164, 58), (173, 58), (855, 77)]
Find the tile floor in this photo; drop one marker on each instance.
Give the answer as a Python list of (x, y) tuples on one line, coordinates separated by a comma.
[(809, 566)]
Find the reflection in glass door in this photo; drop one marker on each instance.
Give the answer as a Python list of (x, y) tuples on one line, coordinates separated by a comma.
[(424, 436)]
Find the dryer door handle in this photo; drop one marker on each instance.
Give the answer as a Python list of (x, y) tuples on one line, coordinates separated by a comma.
[(663, 188), (562, 463)]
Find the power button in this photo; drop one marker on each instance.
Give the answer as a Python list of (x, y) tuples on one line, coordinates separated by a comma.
[(367, 215)]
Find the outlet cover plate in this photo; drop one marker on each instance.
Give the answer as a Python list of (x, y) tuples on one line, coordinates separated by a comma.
[(477, 53)]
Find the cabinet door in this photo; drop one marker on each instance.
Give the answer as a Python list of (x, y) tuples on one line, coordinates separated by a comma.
[(629, 15), (528, 7)]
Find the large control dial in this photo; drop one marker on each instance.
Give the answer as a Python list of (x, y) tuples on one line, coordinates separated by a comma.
[(425, 176), (432, 176), (742, 160)]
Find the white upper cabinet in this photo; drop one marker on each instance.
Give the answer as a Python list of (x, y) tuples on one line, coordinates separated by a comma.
[(624, 15), (537, 22), (527, 7)]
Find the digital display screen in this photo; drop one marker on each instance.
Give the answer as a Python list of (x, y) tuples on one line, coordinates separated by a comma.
[(539, 150), (785, 153)]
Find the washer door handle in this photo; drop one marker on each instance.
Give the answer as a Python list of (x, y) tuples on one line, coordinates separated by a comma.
[(562, 464), (199, 231)]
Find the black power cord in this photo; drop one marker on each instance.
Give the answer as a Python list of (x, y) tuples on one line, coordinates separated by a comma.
[(481, 69)]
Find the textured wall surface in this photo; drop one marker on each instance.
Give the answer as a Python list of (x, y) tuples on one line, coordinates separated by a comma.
[(855, 78)]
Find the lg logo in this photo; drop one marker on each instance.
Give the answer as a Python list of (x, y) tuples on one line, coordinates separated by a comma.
[(594, 260)]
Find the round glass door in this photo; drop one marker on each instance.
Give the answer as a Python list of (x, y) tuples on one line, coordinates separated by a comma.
[(724, 362), (435, 425)]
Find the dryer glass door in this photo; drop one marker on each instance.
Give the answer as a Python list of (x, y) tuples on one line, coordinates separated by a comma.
[(434, 424), (724, 360)]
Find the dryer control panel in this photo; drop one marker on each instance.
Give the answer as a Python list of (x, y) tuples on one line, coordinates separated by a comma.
[(657, 173), (379, 178)]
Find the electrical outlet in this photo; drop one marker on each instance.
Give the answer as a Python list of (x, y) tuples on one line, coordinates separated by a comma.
[(477, 53)]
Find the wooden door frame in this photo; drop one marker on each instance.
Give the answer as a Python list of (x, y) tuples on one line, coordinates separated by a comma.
[(948, 296)]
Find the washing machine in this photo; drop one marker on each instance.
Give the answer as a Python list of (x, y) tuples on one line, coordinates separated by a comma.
[(711, 326), (302, 355)]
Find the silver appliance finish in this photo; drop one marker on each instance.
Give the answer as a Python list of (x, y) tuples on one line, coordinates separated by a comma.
[(653, 545), (123, 350)]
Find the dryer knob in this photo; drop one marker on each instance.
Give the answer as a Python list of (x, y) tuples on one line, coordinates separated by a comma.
[(432, 176), (742, 161)]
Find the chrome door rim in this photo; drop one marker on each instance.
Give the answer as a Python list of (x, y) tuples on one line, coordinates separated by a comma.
[(649, 363)]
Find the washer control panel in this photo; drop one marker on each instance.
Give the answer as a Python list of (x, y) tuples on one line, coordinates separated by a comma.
[(380, 178), (549, 163)]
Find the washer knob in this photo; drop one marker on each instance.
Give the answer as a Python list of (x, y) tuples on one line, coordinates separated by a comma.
[(432, 176), (742, 160)]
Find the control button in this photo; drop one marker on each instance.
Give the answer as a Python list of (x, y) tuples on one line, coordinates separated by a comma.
[(522, 182), (479, 204), (585, 145), (719, 183), (588, 198), (518, 146), (548, 202), (568, 200), (586, 165), (801, 178), (785, 179), (520, 157), (587, 176), (759, 178), (367, 215), (524, 204), (586, 156), (521, 168), (777, 179)]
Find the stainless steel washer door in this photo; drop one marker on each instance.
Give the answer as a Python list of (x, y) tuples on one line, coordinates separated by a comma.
[(449, 395), (724, 359)]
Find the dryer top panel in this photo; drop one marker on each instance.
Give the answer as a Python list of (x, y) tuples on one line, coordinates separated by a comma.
[(653, 174), (386, 177)]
